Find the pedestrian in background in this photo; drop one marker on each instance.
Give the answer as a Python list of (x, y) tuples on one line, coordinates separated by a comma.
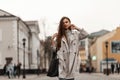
[(67, 45), (18, 67), (118, 67), (4, 69), (10, 70), (112, 68), (15, 70)]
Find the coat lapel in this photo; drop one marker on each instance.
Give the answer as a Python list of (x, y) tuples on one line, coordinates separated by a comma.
[(65, 41), (72, 38)]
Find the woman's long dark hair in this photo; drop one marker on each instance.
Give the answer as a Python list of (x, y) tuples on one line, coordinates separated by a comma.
[(61, 31)]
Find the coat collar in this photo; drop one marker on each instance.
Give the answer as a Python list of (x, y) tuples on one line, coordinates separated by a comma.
[(72, 37)]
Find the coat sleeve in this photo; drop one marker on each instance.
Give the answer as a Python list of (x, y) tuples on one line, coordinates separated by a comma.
[(82, 34)]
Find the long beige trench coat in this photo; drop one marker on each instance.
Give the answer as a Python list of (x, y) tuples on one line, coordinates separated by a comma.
[(69, 58)]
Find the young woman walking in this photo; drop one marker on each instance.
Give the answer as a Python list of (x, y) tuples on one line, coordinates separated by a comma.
[(67, 45)]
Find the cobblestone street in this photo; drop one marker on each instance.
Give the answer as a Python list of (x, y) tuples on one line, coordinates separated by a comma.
[(81, 76), (87, 76)]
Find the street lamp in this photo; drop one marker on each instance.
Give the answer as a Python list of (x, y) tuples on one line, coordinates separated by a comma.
[(38, 61), (24, 58), (106, 45)]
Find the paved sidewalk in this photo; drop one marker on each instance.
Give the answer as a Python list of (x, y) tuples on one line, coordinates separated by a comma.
[(28, 77), (81, 76), (86, 76), (115, 75)]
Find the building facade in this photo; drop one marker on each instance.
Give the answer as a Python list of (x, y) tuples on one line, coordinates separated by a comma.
[(12, 31), (99, 52), (34, 44)]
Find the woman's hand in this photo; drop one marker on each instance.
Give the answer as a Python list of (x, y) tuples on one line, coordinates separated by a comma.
[(72, 26), (53, 37)]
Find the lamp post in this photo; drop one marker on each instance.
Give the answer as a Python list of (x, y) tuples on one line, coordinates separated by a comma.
[(24, 58), (38, 61), (106, 45)]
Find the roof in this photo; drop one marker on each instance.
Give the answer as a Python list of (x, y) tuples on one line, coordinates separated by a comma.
[(33, 24), (98, 33), (5, 14)]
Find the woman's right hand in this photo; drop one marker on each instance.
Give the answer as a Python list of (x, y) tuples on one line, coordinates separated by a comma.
[(53, 37)]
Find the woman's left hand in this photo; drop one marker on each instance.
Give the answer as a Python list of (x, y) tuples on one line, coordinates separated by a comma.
[(74, 27)]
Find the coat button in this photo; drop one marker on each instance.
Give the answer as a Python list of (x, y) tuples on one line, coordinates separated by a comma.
[(74, 43), (63, 51), (75, 53), (64, 59)]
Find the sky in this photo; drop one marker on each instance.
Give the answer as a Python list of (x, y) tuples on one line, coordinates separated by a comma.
[(92, 15)]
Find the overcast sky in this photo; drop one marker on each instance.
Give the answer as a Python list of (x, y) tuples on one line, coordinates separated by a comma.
[(92, 15)]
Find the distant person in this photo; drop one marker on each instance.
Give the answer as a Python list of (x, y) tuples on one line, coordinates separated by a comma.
[(18, 67), (10, 70), (112, 68), (87, 67), (118, 67), (4, 69), (15, 70)]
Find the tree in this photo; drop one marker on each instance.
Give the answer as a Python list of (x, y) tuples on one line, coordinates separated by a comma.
[(47, 48)]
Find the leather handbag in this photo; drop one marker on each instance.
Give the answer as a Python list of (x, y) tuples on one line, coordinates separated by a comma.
[(53, 67)]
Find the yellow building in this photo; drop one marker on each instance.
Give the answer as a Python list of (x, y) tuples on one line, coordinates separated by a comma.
[(98, 49), (83, 55)]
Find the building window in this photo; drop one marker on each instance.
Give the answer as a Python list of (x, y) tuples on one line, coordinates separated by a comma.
[(82, 43), (115, 46)]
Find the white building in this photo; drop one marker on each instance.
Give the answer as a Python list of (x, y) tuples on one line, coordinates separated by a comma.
[(12, 32), (35, 43)]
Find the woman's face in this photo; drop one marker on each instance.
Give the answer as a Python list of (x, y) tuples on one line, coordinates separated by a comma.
[(66, 23)]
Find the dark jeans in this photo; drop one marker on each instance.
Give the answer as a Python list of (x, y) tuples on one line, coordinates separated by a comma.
[(65, 79)]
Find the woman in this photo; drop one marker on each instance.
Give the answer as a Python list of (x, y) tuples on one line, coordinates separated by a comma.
[(67, 45)]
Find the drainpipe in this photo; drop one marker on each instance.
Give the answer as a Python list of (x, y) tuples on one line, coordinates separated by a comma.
[(29, 52), (18, 40)]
